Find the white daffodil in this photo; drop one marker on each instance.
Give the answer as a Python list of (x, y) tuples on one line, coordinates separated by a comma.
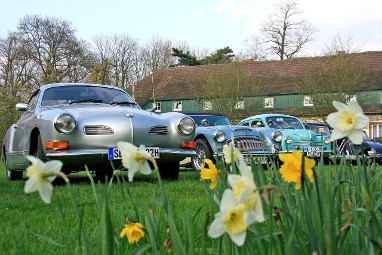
[(245, 190), (230, 151), (232, 218), (349, 121), (134, 159), (40, 177)]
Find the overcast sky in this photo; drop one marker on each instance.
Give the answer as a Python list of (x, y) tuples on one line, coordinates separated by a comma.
[(204, 24)]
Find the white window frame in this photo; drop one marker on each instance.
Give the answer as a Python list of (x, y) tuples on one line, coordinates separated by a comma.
[(207, 106), (239, 105), (376, 130), (269, 102), (177, 106), (308, 101), (351, 98), (157, 106)]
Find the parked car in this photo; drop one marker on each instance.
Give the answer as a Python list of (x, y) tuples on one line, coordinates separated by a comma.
[(294, 135), (213, 131), (80, 124), (369, 149)]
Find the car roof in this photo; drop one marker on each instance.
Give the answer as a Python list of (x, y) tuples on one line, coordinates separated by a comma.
[(203, 114), (53, 85), (266, 115), (315, 123)]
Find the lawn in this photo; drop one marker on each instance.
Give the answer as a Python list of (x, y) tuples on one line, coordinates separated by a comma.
[(31, 227), (339, 212)]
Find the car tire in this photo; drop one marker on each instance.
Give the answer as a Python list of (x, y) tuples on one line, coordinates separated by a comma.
[(203, 150), (14, 175), (39, 152), (169, 171)]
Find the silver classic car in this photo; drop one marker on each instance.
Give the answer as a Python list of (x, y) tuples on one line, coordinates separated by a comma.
[(213, 131), (80, 124)]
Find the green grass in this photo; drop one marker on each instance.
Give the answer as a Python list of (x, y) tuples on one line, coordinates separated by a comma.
[(339, 213), (29, 226)]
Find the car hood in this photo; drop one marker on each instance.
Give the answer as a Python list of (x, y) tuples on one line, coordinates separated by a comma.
[(376, 146), (228, 129), (303, 134)]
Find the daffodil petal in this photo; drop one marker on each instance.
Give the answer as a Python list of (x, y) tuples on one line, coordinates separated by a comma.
[(339, 106), (216, 228), (356, 136), (362, 121), (46, 191), (238, 239), (31, 185), (338, 134), (53, 166)]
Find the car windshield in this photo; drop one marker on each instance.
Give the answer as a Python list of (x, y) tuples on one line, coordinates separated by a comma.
[(210, 120), (318, 129), (85, 94), (281, 122)]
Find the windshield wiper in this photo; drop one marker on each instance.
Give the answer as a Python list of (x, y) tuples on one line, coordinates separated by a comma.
[(86, 101), (122, 103)]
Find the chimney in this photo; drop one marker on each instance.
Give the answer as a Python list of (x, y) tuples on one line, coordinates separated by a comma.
[(341, 52)]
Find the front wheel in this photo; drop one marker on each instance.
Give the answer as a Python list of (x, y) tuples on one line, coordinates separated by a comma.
[(203, 151)]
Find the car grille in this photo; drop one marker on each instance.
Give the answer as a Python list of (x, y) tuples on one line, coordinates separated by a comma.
[(247, 143), (98, 130), (158, 130)]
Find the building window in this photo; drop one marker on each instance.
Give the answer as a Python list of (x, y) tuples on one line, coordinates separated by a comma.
[(157, 107), (207, 106), (269, 102), (239, 105), (376, 131), (308, 101), (177, 106), (351, 98)]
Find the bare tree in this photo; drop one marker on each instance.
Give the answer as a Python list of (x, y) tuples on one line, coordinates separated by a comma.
[(254, 49), (157, 54), (340, 43), (337, 77), (229, 89), (51, 44), (118, 54), (284, 34)]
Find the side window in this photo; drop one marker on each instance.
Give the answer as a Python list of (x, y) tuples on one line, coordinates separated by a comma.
[(269, 102), (177, 106), (245, 124), (33, 101)]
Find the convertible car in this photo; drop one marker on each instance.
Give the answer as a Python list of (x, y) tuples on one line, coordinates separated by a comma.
[(294, 135), (213, 131), (80, 124)]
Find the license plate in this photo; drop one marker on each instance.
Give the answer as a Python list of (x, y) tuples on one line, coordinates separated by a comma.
[(262, 160), (114, 153), (313, 152)]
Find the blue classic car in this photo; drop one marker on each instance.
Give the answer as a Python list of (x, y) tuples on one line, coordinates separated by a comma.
[(80, 124), (213, 131), (368, 149), (294, 135)]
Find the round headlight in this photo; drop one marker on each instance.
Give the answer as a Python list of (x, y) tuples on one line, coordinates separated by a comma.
[(288, 140), (327, 140), (220, 136), (65, 123), (186, 126), (277, 136)]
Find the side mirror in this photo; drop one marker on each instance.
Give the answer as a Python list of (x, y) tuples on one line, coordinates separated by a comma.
[(21, 107)]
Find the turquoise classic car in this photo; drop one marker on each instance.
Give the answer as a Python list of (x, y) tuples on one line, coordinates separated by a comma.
[(294, 135)]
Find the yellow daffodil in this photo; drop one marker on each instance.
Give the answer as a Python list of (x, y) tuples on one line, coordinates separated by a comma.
[(133, 232), (349, 121), (245, 190), (291, 170), (40, 177), (232, 219), (210, 173), (230, 151), (135, 159)]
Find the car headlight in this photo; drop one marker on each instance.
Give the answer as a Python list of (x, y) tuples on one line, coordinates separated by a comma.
[(327, 140), (288, 140), (277, 136), (65, 123), (220, 136), (186, 126)]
